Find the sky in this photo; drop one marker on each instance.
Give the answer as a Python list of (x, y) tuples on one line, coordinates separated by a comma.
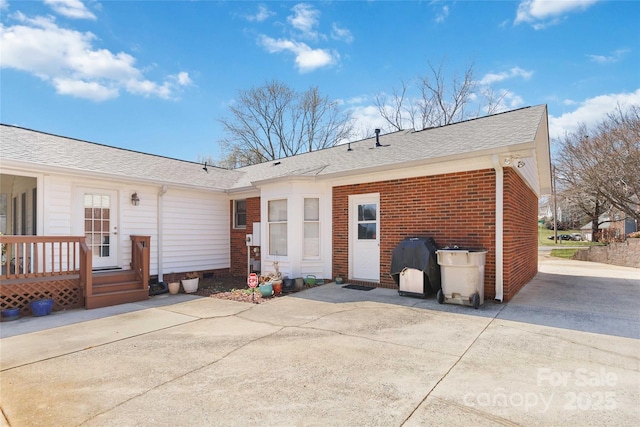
[(157, 76)]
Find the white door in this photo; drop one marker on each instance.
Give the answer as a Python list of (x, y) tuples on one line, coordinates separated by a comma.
[(100, 209), (364, 237)]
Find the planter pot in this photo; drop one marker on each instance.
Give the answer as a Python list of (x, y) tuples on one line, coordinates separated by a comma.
[(299, 284), (174, 287), (288, 285), (41, 307), (277, 287), (266, 290), (338, 280), (10, 314), (310, 280), (190, 285)]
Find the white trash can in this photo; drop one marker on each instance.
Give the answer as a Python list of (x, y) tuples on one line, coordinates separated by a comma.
[(462, 273)]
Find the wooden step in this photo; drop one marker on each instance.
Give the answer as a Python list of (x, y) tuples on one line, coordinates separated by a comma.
[(116, 297), (114, 276), (106, 288)]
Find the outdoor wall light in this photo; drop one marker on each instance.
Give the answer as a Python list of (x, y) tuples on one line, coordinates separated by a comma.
[(135, 200), (507, 161), (520, 164)]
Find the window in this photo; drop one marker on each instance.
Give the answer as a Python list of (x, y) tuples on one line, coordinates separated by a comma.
[(367, 224), (277, 218), (311, 228), (240, 214)]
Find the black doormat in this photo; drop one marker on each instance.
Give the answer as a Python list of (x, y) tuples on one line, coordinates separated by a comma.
[(358, 287)]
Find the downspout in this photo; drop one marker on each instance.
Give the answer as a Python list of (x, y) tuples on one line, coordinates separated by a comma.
[(499, 227), (161, 193)]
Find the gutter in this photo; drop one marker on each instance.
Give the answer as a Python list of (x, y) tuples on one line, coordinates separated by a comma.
[(161, 193), (499, 227)]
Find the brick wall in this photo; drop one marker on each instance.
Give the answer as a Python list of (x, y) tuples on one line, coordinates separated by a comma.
[(520, 238), (626, 254), (457, 208), (238, 245)]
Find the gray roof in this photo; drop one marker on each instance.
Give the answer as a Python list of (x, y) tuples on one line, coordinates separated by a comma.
[(470, 138), (46, 151), (496, 133)]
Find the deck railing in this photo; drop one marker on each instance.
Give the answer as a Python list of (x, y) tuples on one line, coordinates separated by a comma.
[(141, 258), (26, 257), (57, 266)]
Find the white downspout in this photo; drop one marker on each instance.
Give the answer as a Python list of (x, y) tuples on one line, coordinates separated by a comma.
[(163, 190), (499, 227)]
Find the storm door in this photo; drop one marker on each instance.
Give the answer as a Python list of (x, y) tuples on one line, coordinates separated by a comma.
[(364, 237)]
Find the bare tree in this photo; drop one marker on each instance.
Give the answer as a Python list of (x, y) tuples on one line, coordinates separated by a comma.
[(274, 121), (438, 100), (598, 170)]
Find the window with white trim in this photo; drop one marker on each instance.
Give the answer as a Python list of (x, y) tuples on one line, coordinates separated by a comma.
[(311, 245), (277, 224), (239, 214)]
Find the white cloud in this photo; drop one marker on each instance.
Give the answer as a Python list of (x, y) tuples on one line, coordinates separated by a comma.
[(71, 9), (304, 19), (307, 59), (542, 13), (590, 112), (4, 4), (68, 60), (491, 78), (609, 59), (443, 14), (262, 15), (81, 89), (338, 33)]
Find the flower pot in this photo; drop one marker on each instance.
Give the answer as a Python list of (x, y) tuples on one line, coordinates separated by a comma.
[(190, 285), (338, 280), (174, 287), (299, 285), (310, 280), (266, 290), (277, 287), (288, 284), (41, 307), (10, 314)]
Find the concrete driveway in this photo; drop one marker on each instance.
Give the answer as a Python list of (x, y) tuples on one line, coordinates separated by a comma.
[(565, 351)]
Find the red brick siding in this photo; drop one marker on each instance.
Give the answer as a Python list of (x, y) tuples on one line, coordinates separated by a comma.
[(457, 208), (520, 234), (238, 244)]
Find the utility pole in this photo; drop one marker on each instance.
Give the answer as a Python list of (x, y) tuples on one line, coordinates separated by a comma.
[(555, 205)]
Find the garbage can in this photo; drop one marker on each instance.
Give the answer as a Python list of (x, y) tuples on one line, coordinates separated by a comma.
[(462, 276)]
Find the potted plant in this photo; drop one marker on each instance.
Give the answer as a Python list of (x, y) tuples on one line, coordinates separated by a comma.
[(190, 283)]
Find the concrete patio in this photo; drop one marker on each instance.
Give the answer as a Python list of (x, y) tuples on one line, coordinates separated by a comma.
[(564, 351)]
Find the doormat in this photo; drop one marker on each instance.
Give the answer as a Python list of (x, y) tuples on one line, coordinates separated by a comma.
[(358, 287)]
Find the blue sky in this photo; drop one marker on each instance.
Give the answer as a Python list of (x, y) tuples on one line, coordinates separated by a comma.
[(156, 76)]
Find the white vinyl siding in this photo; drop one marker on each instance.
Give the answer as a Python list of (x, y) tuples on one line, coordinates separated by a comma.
[(196, 231)]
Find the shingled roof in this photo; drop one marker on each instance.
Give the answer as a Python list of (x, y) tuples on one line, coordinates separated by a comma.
[(47, 151), (491, 134), (497, 133)]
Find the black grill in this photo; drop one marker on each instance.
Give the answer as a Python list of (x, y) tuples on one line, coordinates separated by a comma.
[(418, 253)]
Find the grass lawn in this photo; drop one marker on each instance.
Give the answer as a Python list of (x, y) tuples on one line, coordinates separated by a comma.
[(564, 253), (543, 239)]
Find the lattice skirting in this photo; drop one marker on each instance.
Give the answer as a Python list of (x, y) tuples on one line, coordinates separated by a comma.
[(66, 293)]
